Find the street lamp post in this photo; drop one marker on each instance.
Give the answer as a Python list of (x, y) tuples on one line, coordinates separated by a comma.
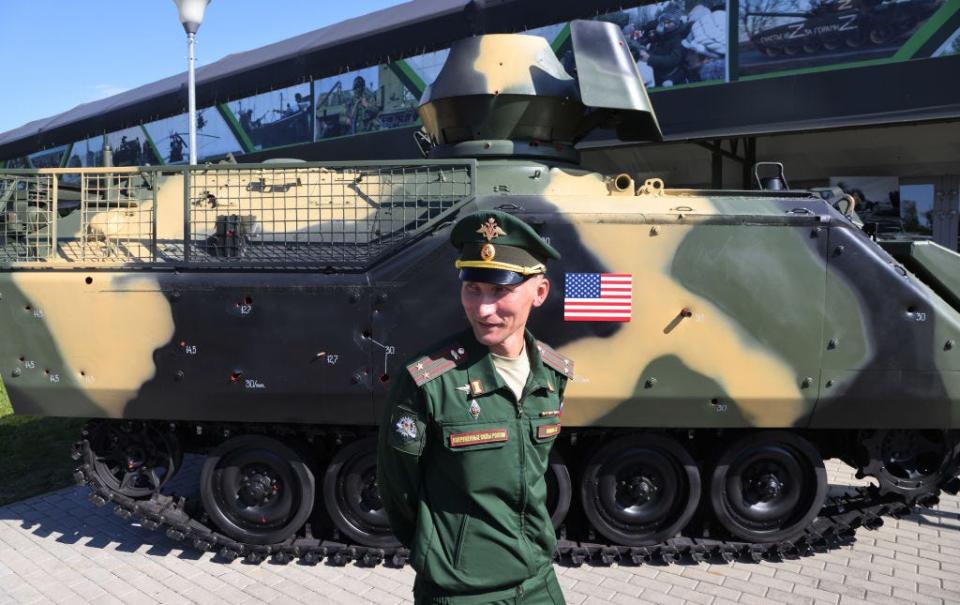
[(191, 16)]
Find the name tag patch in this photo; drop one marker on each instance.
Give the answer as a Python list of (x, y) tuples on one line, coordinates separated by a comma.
[(478, 437), (548, 430)]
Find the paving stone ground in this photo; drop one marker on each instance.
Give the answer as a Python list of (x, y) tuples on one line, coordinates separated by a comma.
[(59, 548)]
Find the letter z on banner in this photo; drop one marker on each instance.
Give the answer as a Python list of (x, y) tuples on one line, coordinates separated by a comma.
[(597, 296)]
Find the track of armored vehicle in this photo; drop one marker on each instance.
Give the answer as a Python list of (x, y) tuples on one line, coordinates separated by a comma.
[(258, 314)]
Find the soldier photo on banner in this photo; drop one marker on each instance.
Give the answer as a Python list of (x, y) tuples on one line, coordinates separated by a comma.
[(789, 34), (676, 42), (131, 147), (276, 118), (214, 138), (365, 100)]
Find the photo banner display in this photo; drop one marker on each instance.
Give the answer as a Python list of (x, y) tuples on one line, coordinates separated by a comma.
[(367, 100), (48, 158), (675, 43), (131, 147), (275, 119), (215, 139), (781, 35)]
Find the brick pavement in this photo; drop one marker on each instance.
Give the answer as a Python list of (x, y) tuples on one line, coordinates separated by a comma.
[(59, 548)]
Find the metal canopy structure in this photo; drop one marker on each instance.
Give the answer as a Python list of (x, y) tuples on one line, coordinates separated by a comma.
[(887, 93), (403, 30)]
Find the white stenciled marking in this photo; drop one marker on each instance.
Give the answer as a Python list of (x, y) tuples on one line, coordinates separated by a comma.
[(388, 350)]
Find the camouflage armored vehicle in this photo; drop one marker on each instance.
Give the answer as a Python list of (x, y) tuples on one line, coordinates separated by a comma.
[(833, 24), (259, 313)]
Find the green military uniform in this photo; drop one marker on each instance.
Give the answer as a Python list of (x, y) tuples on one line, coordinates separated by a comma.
[(462, 460)]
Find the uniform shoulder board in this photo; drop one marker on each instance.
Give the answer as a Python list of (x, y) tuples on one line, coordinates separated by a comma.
[(555, 360), (441, 361)]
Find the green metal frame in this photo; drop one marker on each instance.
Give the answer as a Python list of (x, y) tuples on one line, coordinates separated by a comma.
[(153, 146), (234, 125), (410, 78), (66, 155)]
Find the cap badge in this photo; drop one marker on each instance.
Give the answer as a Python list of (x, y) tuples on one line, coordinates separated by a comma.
[(475, 410), (488, 252), (407, 427), (491, 229)]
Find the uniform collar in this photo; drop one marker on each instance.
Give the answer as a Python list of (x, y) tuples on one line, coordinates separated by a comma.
[(480, 365)]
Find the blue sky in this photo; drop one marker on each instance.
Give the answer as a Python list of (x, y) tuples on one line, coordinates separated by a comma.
[(57, 54)]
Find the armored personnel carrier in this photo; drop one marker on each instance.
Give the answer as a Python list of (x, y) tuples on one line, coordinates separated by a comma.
[(833, 24), (258, 314)]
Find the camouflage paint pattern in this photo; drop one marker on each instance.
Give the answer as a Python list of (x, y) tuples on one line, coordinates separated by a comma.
[(746, 312)]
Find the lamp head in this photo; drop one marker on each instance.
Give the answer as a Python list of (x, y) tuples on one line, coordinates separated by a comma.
[(191, 13)]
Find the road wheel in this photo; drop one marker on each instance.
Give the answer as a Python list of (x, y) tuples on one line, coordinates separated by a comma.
[(909, 462), (559, 489), (640, 489), (257, 490), (768, 486), (352, 498), (132, 458)]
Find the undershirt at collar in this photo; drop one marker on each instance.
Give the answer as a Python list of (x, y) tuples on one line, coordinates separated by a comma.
[(513, 370)]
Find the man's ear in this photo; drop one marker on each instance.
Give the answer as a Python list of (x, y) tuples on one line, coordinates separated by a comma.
[(543, 289)]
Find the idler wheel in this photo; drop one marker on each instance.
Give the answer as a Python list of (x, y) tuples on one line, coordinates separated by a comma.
[(909, 462), (768, 486), (559, 488), (352, 498), (132, 458), (640, 489), (256, 489)]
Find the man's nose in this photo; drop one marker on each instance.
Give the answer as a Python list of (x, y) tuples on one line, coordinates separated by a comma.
[(488, 308)]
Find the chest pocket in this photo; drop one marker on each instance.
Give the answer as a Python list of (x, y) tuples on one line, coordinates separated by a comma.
[(544, 430)]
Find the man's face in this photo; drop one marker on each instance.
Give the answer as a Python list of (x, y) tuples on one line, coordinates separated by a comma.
[(498, 312)]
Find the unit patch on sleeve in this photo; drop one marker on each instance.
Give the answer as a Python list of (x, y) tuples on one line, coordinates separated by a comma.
[(478, 437), (408, 431), (407, 427)]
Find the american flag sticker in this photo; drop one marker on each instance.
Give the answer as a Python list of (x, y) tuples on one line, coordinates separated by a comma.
[(597, 296)]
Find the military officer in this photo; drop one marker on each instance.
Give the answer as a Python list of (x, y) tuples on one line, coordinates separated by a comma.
[(466, 436)]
